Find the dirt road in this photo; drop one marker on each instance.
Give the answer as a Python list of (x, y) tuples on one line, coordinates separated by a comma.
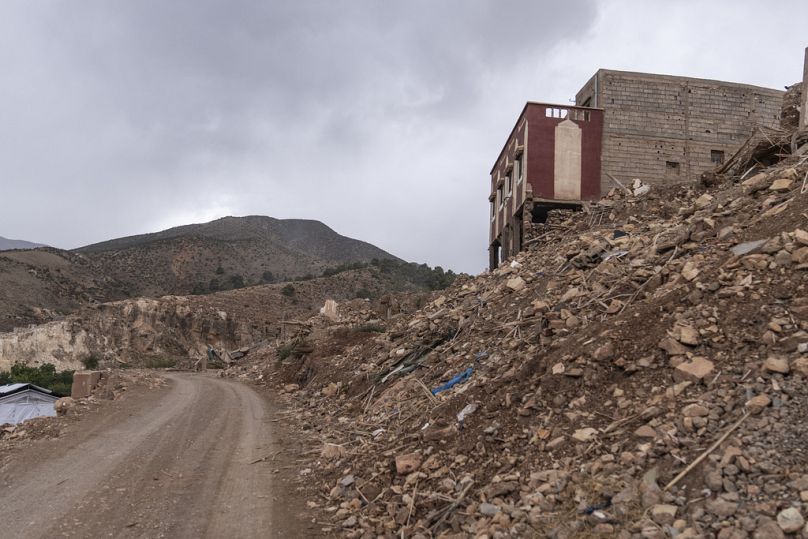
[(173, 462)]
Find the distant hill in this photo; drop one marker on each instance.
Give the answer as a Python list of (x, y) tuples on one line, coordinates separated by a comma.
[(44, 284), (226, 253), (7, 244)]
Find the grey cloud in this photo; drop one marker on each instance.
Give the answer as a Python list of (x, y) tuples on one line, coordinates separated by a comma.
[(375, 117)]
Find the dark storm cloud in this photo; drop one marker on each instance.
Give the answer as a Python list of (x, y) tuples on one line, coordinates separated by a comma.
[(126, 116), (379, 118)]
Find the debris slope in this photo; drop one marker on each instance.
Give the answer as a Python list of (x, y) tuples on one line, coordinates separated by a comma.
[(640, 371)]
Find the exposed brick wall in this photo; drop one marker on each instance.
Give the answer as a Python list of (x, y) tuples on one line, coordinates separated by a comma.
[(654, 121)]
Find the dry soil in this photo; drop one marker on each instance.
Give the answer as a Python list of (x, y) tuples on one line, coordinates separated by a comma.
[(182, 461)]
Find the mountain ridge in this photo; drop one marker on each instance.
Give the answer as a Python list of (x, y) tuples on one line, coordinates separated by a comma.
[(8, 244)]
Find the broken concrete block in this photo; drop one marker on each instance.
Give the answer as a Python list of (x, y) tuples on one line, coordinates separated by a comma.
[(756, 183), (800, 365), (776, 364), (408, 463), (585, 434), (687, 335), (758, 403), (695, 370), (747, 247), (781, 184), (83, 383), (704, 201), (516, 284)]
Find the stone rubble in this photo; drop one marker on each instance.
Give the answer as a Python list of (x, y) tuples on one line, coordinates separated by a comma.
[(631, 376)]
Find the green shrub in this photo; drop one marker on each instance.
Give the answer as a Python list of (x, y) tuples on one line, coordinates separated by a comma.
[(45, 376), (268, 277), (364, 293), (237, 281), (288, 291), (199, 289), (90, 362), (285, 351)]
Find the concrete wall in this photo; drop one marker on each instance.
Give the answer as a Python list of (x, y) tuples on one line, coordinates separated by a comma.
[(559, 149), (665, 129), (804, 111)]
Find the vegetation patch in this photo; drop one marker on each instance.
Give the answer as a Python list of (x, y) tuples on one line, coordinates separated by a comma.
[(61, 383), (90, 362)]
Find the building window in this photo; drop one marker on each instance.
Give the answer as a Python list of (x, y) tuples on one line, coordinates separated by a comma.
[(517, 165), (493, 210), (553, 112), (499, 197), (671, 168), (717, 157), (508, 185)]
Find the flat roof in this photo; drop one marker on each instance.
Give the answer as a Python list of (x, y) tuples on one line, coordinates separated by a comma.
[(684, 78)]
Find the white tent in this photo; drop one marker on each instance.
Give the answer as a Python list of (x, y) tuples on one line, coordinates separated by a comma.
[(19, 402)]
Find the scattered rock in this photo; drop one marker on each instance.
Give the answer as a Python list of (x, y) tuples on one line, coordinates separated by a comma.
[(516, 284), (776, 364), (585, 434), (695, 370), (790, 520), (406, 464)]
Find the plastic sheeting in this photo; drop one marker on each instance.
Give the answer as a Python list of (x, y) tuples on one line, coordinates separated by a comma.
[(26, 404)]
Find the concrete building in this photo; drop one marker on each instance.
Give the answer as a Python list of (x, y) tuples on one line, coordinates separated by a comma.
[(665, 129), (658, 128), (551, 159)]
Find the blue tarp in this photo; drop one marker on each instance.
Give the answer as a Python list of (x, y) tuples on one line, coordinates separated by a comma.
[(462, 377)]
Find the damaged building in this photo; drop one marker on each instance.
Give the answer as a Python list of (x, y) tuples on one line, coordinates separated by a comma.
[(624, 125)]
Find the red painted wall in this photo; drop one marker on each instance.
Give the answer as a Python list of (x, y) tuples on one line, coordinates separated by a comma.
[(541, 150), (534, 124)]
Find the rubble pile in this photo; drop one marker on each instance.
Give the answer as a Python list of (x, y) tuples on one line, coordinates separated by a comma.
[(640, 371)]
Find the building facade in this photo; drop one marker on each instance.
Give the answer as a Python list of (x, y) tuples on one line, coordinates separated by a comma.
[(551, 159), (658, 128), (666, 129)]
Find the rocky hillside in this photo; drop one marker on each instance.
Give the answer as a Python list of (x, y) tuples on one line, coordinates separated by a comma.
[(226, 253), (176, 330), (45, 284), (40, 285), (639, 373), (6, 244)]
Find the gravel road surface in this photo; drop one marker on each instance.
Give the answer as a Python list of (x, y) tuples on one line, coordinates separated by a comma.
[(173, 462)]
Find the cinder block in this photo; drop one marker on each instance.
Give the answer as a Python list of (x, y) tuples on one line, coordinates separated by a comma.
[(84, 382)]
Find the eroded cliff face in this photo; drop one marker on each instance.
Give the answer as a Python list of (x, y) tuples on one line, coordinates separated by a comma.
[(130, 331), (178, 328)]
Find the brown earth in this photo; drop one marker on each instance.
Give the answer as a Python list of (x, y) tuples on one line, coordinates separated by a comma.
[(201, 457), (583, 415)]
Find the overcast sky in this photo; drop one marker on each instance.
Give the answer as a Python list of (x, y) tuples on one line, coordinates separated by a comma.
[(379, 118)]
